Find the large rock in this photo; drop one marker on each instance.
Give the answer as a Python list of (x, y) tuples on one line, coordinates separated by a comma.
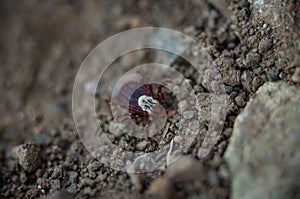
[(264, 152)]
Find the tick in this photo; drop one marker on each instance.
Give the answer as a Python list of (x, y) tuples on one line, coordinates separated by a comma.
[(142, 102)]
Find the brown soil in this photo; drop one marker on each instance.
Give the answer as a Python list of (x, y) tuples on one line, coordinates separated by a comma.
[(43, 44)]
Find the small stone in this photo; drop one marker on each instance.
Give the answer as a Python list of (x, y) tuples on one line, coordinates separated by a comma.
[(272, 75), (73, 177), (58, 172), (42, 183), (162, 142), (28, 155), (252, 60), (94, 166), (227, 132), (72, 188), (144, 163), (23, 177), (231, 76), (239, 100), (38, 173), (296, 75), (88, 191), (244, 4), (257, 82), (115, 129), (142, 145), (188, 115), (183, 105), (264, 45), (102, 176), (55, 184), (247, 79), (178, 139), (194, 125)]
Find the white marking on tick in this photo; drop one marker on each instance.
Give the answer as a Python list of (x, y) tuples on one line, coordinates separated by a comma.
[(146, 103)]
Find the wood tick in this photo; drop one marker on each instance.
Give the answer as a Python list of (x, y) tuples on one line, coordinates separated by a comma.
[(142, 102)]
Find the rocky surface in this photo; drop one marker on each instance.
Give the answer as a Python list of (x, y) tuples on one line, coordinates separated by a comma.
[(264, 150)]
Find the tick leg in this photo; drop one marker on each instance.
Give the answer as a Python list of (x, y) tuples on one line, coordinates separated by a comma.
[(160, 94), (130, 107), (171, 113), (123, 117)]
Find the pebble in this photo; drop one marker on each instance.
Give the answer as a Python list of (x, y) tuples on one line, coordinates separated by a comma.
[(23, 177), (141, 146), (162, 142), (257, 82), (55, 184), (246, 79), (72, 188), (244, 4), (58, 172), (252, 60), (264, 45), (231, 76), (272, 75), (296, 75), (188, 115), (183, 105), (144, 163), (94, 166), (102, 176), (240, 101), (28, 155), (227, 132), (178, 139)]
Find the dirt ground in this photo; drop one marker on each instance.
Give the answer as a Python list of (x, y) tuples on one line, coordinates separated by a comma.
[(43, 44)]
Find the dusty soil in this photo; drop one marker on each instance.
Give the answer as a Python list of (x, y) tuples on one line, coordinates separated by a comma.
[(42, 46)]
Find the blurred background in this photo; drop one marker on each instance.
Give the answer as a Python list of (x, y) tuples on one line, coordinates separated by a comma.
[(43, 43)]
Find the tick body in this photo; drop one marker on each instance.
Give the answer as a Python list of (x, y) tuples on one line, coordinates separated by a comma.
[(140, 99), (144, 106)]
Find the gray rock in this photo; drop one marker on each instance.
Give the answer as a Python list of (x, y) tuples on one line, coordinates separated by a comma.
[(264, 152)]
